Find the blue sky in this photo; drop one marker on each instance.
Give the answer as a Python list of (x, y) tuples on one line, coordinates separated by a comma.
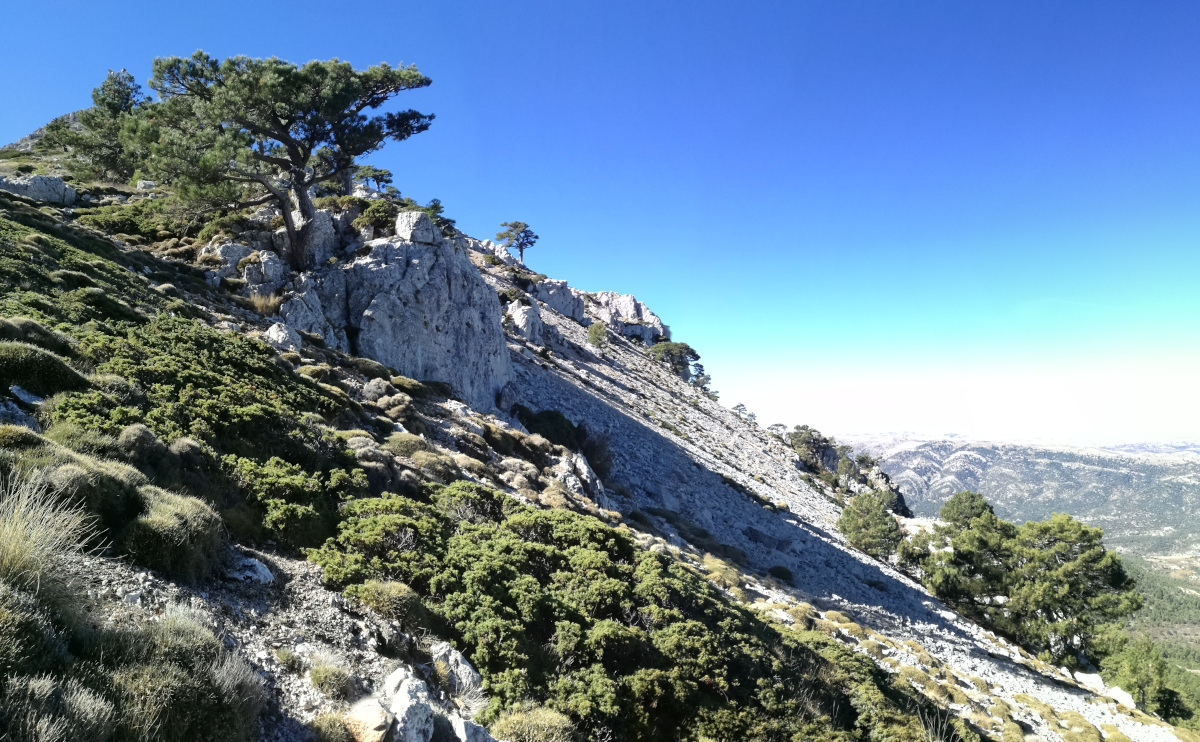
[(979, 218)]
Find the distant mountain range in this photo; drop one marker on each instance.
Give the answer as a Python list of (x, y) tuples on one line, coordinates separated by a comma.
[(1145, 496)]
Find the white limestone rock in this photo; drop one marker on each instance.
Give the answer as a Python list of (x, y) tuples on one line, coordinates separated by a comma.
[(469, 731), (40, 188), (487, 247), (463, 677), (369, 721), (323, 239), (416, 226), (561, 298), (527, 321), (629, 317), (281, 337), (423, 309), (304, 309), (229, 254), (266, 275), (414, 715), (146, 185)]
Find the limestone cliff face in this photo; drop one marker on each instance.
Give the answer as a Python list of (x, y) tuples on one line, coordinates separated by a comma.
[(413, 302)]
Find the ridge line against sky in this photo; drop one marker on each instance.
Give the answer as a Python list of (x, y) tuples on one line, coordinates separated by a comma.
[(865, 216)]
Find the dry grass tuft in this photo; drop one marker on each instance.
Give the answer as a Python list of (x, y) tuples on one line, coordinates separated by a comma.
[(38, 529)]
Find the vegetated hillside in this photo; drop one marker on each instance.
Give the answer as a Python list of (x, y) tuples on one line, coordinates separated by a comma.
[(598, 551), (1148, 503)]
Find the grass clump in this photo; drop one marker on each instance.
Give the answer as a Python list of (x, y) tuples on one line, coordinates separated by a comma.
[(37, 370), (330, 726), (289, 660), (392, 600), (405, 444), (45, 708), (330, 676), (534, 724), (25, 330), (178, 535), (38, 530)]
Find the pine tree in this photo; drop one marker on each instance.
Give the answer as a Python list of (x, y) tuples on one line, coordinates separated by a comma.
[(869, 527), (518, 235), (243, 132)]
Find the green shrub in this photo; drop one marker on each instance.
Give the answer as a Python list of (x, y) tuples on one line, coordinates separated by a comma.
[(163, 702), (405, 444), (781, 573), (441, 468), (533, 724), (372, 369), (179, 536), (380, 214), (550, 424), (38, 371), (612, 636), (392, 600), (597, 334), (44, 708)]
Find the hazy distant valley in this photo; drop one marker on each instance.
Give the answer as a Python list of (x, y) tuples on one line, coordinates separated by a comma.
[(1145, 497)]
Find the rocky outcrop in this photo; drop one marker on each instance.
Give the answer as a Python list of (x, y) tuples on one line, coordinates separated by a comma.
[(627, 316), (265, 273), (40, 188), (487, 247), (415, 303), (561, 298), (526, 321)]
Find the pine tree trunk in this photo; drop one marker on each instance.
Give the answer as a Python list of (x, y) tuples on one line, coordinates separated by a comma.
[(300, 243)]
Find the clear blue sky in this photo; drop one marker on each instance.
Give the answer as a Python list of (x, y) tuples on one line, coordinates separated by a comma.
[(868, 216)]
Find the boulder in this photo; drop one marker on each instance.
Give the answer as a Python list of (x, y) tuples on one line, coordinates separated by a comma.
[(11, 414), (560, 297), (463, 677), (416, 226), (527, 322), (376, 389), (304, 310), (228, 255), (369, 721), (146, 185), (414, 715), (249, 569), (281, 337), (1120, 696), (469, 731), (40, 188), (423, 309), (266, 275)]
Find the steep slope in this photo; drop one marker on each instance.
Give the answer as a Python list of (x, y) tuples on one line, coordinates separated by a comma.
[(292, 439), (1148, 502), (695, 463)]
